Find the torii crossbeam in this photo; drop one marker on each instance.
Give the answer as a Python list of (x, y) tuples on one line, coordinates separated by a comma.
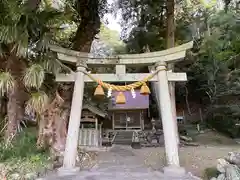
[(158, 59)]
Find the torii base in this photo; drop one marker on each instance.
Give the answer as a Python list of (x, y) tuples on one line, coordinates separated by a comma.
[(172, 170), (68, 171)]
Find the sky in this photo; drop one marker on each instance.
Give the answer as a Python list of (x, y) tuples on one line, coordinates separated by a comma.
[(113, 22)]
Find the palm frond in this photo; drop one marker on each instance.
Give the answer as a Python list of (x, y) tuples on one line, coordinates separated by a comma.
[(11, 11), (34, 76), (52, 66), (44, 41), (6, 82), (8, 34), (22, 45), (46, 4), (38, 102)]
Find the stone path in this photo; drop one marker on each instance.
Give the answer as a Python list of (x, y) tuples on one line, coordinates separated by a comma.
[(121, 163)]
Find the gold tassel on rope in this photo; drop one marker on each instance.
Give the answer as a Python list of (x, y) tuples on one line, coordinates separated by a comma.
[(120, 99), (99, 92), (145, 89)]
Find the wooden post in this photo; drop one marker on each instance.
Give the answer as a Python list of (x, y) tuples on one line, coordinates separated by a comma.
[(97, 133), (74, 125), (200, 113), (100, 135), (113, 121), (171, 145)]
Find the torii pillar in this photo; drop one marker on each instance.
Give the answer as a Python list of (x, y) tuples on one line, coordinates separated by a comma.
[(70, 153), (170, 137)]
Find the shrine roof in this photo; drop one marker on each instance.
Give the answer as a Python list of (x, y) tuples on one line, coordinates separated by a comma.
[(140, 102), (94, 110)]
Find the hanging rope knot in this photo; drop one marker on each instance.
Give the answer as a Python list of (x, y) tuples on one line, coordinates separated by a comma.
[(144, 89)]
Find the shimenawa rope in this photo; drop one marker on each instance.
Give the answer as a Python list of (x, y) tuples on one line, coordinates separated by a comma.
[(125, 87)]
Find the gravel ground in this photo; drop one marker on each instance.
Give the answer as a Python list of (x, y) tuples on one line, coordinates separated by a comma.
[(194, 159), (122, 162), (124, 159)]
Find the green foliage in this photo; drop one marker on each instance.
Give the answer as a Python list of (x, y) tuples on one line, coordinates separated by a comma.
[(6, 82), (22, 27), (23, 146), (112, 39), (25, 34), (34, 76), (148, 26), (216, 72), (213, 69), (23, 159), (3, 123), (225, 120), (38, 102), (210, 173)]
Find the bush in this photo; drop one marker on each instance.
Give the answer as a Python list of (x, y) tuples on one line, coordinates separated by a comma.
[(210, 172), (23, 158), (23, 146), (224, 120)]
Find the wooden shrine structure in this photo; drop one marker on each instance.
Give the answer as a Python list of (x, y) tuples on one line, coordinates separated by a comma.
[(159, 60), (91, 130), (132, 114)]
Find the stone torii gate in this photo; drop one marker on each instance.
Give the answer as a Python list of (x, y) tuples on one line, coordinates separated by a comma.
[(158, 59)]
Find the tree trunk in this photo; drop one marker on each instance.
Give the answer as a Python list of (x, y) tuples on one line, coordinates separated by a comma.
[(61, 131), (170, 24), (3, 106), (58, 118), (48, 132), (41, 127), (3, 102), (170, 43), (89, 26), (15, 108), (16, 97)]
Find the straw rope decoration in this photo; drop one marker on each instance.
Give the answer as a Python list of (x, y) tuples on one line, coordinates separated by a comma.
[(121, 88)]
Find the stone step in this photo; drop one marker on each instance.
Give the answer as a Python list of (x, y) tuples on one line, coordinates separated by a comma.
[(124, 135), (120, 175), (123, 142), (127, 139), (125, 169), (123, 138)]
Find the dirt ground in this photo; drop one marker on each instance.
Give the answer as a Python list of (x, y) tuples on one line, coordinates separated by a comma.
[(195, 159), (122, 159)]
